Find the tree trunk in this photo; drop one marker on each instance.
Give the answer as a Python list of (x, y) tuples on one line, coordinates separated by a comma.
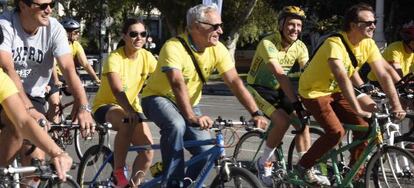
[(233, 37), (231, 44)]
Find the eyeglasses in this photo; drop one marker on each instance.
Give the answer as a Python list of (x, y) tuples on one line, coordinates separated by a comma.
[(368, 23), (76, 32), (43, 6), (134, 34), (214, 26)]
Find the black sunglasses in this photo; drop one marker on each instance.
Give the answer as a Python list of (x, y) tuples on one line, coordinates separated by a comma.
[(368, 23), (44, 6), (214, 26), (134, 34)]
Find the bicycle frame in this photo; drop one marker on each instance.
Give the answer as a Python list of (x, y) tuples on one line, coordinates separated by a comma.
[(374, 139), (214, 154)]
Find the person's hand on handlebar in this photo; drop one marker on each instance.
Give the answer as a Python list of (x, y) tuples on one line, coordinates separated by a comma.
[(62, 163), (132, 118), (301, 112), (259, 120), (204, 122), (398, 114)]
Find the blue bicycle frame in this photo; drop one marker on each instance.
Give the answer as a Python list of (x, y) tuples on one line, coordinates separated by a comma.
[(213, 154)]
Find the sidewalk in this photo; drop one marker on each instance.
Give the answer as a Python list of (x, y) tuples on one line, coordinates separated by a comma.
[(216, 88)]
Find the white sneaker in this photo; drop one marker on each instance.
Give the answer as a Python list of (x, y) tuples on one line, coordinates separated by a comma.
[(312, 177), (265, 173)]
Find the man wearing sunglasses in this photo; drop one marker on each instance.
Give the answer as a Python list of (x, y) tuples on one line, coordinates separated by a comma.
[(327, 84), (174, 90), (32, 39)]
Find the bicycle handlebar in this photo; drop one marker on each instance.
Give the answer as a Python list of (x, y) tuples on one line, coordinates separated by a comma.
[(98, 127)]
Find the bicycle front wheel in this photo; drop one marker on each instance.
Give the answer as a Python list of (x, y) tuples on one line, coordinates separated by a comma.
[(82, 144), (56, 183), (90, 164), (390, 167), (248, 149), (239, 177)]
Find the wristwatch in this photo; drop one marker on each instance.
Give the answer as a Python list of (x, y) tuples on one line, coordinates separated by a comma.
[(257, 113), (85, 107)]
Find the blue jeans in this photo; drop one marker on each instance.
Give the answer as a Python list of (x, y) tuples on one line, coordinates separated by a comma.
[(174, 131)]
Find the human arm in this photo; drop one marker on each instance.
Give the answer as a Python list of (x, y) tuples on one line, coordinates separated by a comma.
[(387, 85), (8, 67), (237, 87), (345, 84), (27, 126), (116, 87), (83, 61), (182, 98), (395, 70), (79, 113), (283, 80)]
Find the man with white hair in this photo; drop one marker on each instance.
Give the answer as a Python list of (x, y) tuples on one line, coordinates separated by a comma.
[(174, 90)]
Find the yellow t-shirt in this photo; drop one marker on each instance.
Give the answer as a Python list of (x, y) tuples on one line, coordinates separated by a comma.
[(395, 52), (174, 56), (76, 48), (7, 87), (133, 74), (317, 79), (270, 48)]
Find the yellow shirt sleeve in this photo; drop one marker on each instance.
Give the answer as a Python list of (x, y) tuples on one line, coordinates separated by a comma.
[(7, 86)]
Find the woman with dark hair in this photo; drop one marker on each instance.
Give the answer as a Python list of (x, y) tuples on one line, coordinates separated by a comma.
[(123, 77)]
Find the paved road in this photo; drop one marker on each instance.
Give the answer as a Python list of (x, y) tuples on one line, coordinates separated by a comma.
[(218, 102)]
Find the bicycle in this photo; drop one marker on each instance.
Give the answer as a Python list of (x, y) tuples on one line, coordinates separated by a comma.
[(339, 174), (10, 177), (63, 135), (227, 172)]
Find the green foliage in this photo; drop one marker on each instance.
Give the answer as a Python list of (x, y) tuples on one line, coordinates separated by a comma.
[(262, 21)]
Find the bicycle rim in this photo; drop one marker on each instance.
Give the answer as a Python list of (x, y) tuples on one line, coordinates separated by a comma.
[(239, 177), (249, 149), (82, 144), (91, 162), (390, 167)]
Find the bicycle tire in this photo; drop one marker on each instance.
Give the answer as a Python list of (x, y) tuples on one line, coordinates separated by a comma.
[(90, 164), (377, 171), (245, 156), (56, 183), (407, 140), (81, 144), (239, 177), (292, 157)]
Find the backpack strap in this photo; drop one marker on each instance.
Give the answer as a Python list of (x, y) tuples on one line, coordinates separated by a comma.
[(348, 49), (187, 48)]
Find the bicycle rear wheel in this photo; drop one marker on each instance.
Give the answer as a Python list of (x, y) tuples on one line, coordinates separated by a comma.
[(56, 183), (390, 167), (90, 164), (249, 149), (82, 144), (239, 177)]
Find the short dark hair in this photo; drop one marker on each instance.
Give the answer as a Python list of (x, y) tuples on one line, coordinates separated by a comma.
[(131, 21), (351, 15), (16, 4)]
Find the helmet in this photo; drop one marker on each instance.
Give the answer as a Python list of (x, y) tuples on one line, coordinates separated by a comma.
[(407, 32), (292, 11), (70, 24)]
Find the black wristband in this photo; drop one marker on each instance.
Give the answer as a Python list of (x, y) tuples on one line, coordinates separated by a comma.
[(257, 113)]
